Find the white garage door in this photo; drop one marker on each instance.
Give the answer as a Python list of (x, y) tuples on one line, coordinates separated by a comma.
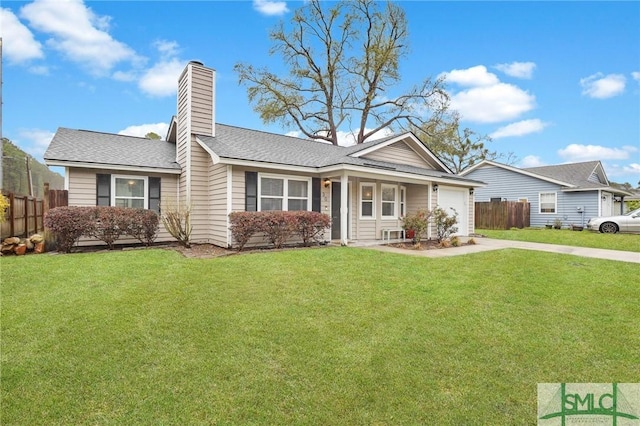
[(451, 198)]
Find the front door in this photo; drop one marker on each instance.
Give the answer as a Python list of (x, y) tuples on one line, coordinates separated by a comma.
[(335, 210)]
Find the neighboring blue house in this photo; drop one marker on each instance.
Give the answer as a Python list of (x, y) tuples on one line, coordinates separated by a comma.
[(571, 192)]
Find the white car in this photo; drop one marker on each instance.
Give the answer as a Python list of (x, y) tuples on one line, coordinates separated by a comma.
[(628, 222)]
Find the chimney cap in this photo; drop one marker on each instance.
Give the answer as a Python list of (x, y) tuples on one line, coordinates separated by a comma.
[(197, 63)]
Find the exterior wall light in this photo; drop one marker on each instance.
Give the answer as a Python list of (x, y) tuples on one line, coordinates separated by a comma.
[(435, 187)]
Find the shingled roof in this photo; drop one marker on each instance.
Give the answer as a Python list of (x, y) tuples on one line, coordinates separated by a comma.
[(100, 149), (230, 142), (585, 175)]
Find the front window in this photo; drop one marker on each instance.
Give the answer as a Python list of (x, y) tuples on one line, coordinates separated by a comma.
[(389, 201), (367, 198), (129, 191), (547, 202), (284, 193)]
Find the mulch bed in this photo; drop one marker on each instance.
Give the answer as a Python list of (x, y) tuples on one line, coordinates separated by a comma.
[(425, 245)]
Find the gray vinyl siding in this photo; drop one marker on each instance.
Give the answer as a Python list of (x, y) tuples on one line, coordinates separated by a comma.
[(399, 153), (82, 192), (512, 186)]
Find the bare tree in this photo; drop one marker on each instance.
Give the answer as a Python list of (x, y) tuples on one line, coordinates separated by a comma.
[(343, 62)]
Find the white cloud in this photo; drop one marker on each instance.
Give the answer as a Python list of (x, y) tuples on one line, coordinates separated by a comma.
[(632, 168), (142, 129), (600, 86), (518, 69), (520, 128), (124, 76), (531, 161), (166, 47), (471, 77), (485, 99), (492, 104), (78, 33), (270, 8), (578, 152), (162, 78), (18, 43), (636, 75), (39, 70), (35, 141)]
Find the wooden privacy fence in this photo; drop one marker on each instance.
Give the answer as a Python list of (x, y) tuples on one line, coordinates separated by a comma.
[(502, 215), (25, 215)]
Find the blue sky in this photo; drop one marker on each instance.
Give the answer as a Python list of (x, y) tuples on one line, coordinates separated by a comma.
[(551, 82)]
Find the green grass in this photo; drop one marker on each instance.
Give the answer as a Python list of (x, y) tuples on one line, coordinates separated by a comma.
[(326, 336), (625, 242)]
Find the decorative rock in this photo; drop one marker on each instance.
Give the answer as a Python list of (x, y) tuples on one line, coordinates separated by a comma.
[(20, 249), (29, 244), (11, 240), (39, 247), (7, 248), (36, 238)]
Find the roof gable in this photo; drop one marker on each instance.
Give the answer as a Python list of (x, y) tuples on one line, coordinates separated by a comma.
[(489, 163), (589, 174), (405, 148)]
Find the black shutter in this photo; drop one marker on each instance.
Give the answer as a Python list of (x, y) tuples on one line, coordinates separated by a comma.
[(154, 194), (103, 190), (316, 191), (251, 191)]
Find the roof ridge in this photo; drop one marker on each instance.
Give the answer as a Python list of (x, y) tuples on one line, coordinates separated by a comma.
[(104, 133)]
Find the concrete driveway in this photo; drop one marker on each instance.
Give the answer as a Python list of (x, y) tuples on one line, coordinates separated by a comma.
[(485, 244)]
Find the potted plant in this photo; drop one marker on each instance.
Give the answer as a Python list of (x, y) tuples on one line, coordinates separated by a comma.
[(557, 223)]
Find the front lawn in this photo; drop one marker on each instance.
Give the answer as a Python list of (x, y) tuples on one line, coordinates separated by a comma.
[(625, 242), (314, 336)]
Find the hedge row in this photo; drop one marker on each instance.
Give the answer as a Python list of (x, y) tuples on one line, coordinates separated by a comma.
[(278, 226), (107, 224)]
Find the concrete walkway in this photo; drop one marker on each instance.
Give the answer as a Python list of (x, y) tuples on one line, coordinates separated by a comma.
[(485, 244)]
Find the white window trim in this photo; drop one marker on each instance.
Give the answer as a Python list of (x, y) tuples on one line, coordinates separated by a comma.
[(555, 203), (402, 202), (394, 215), (372, 201), (285, 190), (136, 177)]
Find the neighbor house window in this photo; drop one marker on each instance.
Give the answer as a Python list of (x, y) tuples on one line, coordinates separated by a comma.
[(389, 200), (403, 201), (129, 191), (284, 193), (367, 200), (548, 202)]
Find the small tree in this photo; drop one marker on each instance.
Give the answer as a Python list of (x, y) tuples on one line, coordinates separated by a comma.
[(176, 219), (445, 224), (418, 222)]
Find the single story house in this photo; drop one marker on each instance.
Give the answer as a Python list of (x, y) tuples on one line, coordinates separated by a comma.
[(217, 169), (572, 193)]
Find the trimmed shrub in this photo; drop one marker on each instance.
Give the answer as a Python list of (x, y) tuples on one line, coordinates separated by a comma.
[(110, 223), (277, 227), (68, 224), (4, 204), (107, 224), (143, 225), (243, 226), (310, 226)]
